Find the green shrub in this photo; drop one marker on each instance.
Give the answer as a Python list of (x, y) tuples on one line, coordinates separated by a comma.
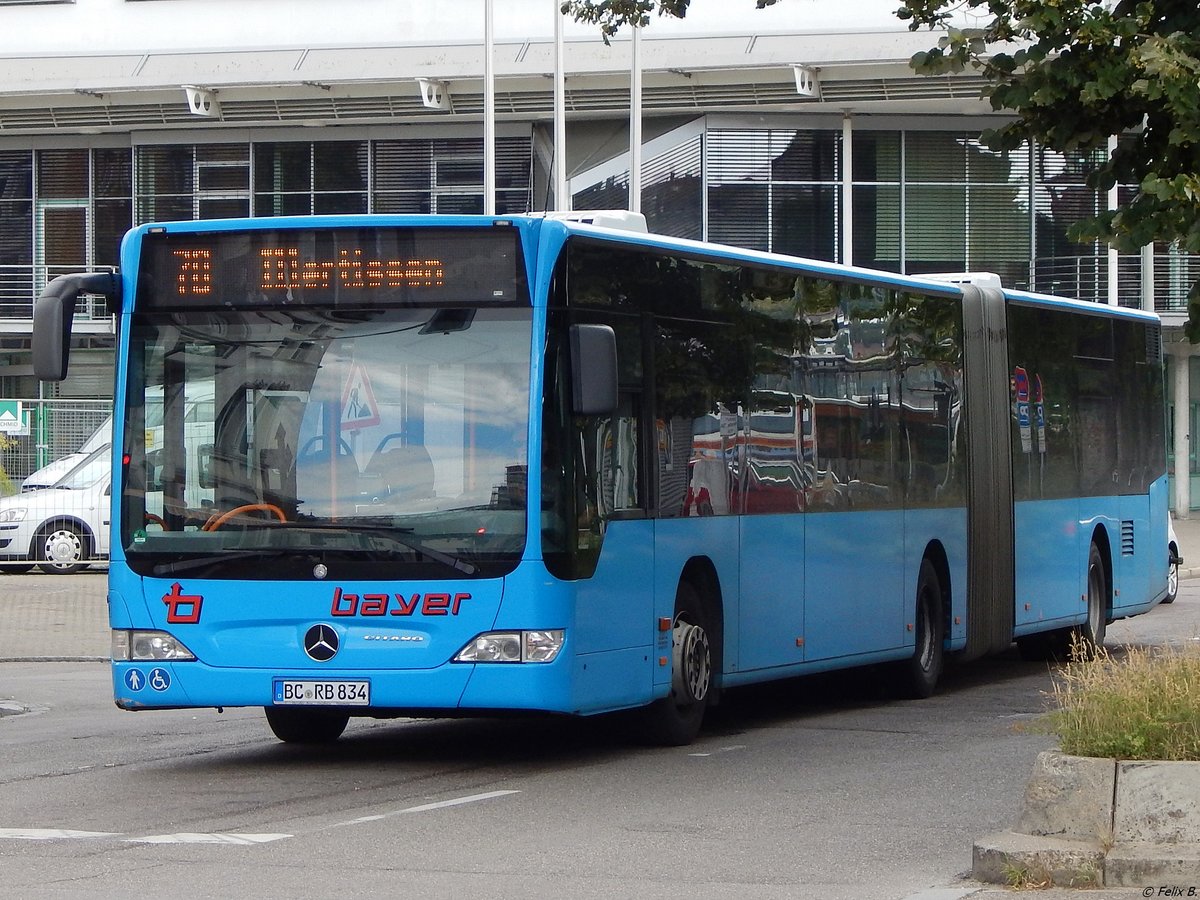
[(1141, 704)]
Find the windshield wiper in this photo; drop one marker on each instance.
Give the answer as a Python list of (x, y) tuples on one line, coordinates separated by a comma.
[(182, 565)]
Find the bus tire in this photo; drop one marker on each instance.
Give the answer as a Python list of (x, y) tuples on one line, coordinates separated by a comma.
[(1172, 573), (1086, 638), (1089, 636), (920, 672), (675, 720), (306, 726)]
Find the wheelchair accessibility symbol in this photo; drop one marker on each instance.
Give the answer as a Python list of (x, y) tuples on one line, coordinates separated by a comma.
[(159, 679)]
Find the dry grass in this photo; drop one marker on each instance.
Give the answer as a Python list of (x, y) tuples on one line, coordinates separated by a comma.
[(1142, 704)]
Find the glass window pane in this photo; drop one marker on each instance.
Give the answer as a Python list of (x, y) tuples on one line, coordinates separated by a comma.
[(223, 178), (738, 215), (804, 155), (163, 208), (804, 221), (282, 204), (339, 203), (16, 174), (223, 209), (340, 166), (459, 204), (112, 172), (413, 202), (877, 226), (934, 156), (112, 219), (876, 156), (62, 173), (164, 169), (283, 167)]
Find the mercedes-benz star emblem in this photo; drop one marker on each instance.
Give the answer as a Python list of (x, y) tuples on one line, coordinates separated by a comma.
[(319, 571), (321, 642)]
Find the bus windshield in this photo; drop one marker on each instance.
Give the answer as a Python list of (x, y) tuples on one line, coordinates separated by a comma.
[(260, 439)]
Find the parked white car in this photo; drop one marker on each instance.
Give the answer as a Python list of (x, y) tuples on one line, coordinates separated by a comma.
[(62, 528), (49, 474), (1173, 561)]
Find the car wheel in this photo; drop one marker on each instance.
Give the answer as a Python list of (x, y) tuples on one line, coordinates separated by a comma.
[(16, 569), (1172, 575), (306, 726), (61, 548)]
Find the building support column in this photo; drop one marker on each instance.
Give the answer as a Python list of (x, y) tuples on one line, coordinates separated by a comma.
[(1180, 372), (847, 189)]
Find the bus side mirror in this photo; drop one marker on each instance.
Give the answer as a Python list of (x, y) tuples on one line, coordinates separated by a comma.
[(593, 370), (52, 315)]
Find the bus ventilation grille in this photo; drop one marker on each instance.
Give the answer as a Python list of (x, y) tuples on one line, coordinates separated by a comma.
[(1126, 537)]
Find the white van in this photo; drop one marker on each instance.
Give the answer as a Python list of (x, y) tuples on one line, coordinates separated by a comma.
[(50, 473)]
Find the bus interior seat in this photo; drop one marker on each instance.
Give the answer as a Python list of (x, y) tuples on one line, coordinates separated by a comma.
[(325, 485), (404, 470)]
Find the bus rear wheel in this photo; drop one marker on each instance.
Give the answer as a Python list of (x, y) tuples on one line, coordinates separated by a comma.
[(1077, 640), (920, 672), (675, 720), (306, 726)]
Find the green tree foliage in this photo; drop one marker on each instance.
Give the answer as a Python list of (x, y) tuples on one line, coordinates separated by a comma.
[(1075, 72), (1072, 72)]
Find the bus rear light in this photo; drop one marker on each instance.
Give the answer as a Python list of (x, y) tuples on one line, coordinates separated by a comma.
[(140, 646), (513, 647)]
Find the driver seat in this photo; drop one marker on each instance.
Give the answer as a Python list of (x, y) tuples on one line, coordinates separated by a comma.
[(327, 485), (404, 470)]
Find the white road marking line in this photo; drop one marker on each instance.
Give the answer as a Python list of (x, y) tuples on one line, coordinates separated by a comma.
[(729, 749), (426, 807), (53, 834), (186, 837), (213, 838)]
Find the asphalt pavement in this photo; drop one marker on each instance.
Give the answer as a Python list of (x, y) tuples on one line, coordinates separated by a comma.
[(64, 618)]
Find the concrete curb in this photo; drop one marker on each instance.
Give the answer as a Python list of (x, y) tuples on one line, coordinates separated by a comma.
[(1090, 822)]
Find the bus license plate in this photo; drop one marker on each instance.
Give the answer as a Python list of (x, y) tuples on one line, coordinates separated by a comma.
[(322, 693)]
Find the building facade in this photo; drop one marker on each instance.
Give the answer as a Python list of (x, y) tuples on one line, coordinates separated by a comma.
[(820, 143)]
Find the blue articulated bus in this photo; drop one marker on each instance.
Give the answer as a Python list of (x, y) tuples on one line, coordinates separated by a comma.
[(469, 465)]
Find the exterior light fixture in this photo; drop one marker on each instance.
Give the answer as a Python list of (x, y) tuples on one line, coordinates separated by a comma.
[(435, 94), (202, 101), (807, 84)]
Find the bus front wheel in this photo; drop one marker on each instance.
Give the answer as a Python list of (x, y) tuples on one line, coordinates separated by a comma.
[(293, 725), (921, 671), (675, 720)]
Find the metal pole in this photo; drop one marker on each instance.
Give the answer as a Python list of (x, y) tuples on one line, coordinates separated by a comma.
[(635, 124), (1113, 260), (562, 199), (489, 115)]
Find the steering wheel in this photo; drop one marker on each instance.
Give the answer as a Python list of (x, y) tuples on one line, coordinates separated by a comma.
[(217, 521), (152, 519)]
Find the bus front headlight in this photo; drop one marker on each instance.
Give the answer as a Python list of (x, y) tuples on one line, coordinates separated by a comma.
[(513, 647), (144, 646)]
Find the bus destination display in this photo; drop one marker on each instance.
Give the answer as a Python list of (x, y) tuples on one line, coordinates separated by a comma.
[(331, 267)]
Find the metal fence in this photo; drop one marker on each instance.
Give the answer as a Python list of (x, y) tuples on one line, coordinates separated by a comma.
[(55, 428), (20, 286), (1086, 278)]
